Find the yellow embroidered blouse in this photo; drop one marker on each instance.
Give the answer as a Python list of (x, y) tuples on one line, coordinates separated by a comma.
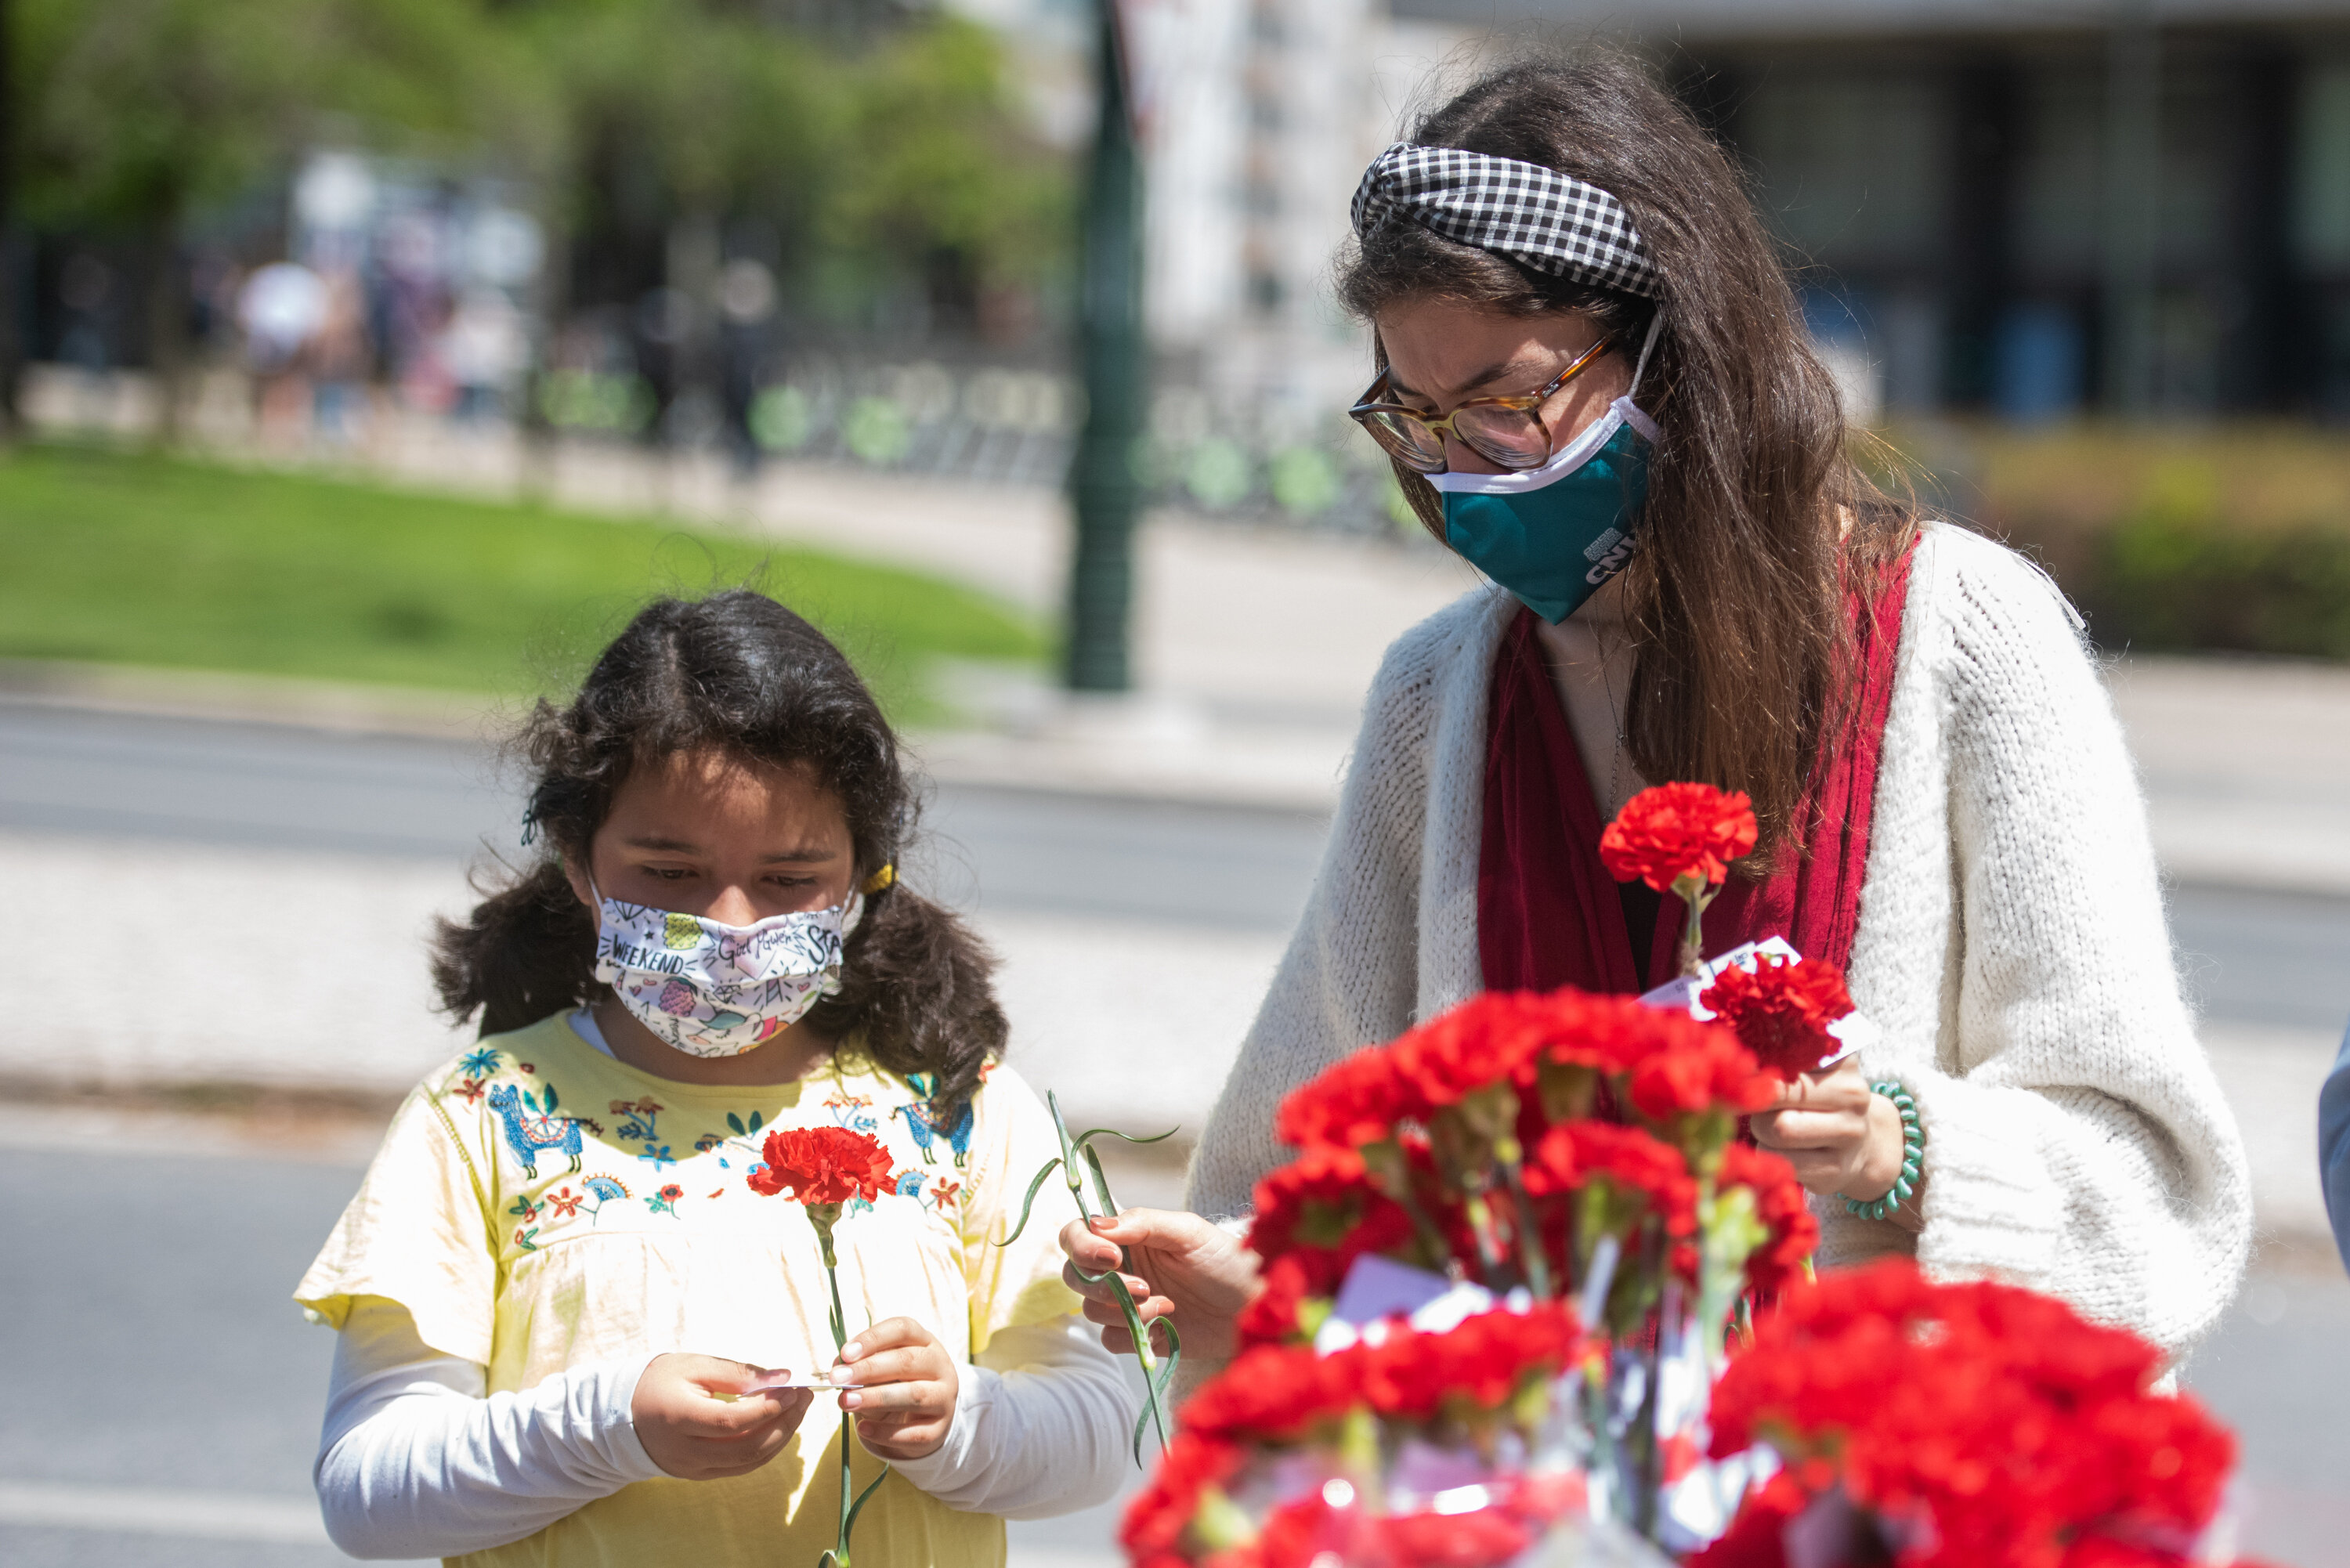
[(537, 1205)]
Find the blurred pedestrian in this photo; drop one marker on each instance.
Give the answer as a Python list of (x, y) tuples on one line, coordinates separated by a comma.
[(2333, 1148), (1594, 386), (483, 349), (746, 305), (557, 1290), (341, 358), (280, 308)]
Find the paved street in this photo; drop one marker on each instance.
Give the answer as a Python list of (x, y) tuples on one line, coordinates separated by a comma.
[(163, 1382)]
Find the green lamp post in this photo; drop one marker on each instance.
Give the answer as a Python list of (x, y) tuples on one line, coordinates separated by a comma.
[(1104, 488)]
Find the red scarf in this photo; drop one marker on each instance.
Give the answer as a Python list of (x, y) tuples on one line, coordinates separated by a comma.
[(1548, 914)]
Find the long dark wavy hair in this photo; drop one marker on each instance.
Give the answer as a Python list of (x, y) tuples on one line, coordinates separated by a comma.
[(1757, 529), (738, 674)]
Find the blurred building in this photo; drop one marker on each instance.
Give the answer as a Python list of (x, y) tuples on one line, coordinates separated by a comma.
[(2133, 205), (2021, 209)]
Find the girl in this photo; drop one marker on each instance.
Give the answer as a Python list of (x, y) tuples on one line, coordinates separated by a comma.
[(554, 1289), (1596, 386)]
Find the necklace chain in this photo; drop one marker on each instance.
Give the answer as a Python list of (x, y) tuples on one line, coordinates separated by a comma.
[(1615, 718)]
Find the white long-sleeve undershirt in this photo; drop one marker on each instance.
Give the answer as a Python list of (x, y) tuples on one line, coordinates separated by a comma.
[(415, 1462)]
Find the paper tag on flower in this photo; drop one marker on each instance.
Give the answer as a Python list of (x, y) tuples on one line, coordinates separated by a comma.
[(1375, 1289), (821, 1380), (1856, 1030)]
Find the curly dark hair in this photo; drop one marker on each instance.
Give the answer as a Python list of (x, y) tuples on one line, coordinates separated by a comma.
[(738, 674)]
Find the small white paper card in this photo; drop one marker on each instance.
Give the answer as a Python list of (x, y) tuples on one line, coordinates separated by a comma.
[(819, 1380)]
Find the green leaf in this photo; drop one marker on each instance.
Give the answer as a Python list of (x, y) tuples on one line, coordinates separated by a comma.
[(1092, 1132), (734, 1122), (1101, 1186), (1154, 1379), (858, 1507), (1155, 1390), (755, 1121), (1029, 1203), (1061, 1130), (550, 1099)]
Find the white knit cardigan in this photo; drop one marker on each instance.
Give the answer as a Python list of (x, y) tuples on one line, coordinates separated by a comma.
[(2010, 943)]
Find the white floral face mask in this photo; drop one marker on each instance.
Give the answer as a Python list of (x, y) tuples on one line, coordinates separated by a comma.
[(715, 989)]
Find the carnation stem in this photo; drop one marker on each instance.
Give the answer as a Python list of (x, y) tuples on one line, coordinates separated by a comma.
[(838, 1556), (1644, 1426), (1530, 1241), (1156, 1378), (1489, 1246)]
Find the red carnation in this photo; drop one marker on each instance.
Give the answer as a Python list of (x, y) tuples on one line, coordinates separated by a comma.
[(1156, 1521), (1780, 1205), (823, 1165), (1989, 1427), (1782, 1009), (1701, 1070), (1573, 1156), (1274, 1393), (1322, 1209), (1272, 1315), (1676, 831), (1356, 1101), (1480, 1362)]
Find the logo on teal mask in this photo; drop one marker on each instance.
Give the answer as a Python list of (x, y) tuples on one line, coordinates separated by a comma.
[(1553, 535)]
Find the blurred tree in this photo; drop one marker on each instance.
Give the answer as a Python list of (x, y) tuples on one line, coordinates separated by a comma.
[(875, 155), (937, 171), (890, 149), (138, 114)]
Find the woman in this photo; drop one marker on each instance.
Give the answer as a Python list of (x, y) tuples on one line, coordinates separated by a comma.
[(1596, 386)]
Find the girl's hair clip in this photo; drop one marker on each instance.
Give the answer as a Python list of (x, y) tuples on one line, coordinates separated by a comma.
[(882, 878)]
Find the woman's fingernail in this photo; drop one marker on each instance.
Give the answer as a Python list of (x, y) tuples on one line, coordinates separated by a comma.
[(852, 1351), (851, 1401)]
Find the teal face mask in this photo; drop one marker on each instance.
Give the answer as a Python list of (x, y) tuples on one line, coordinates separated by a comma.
[(1554, 535)]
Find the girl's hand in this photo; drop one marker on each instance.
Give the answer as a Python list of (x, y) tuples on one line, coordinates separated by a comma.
[(907, 1404), (1843, 1138), (1190, 1271), (697, 1419)]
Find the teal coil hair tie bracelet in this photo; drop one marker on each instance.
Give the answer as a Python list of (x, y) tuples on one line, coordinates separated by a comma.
[(1913, 1149)]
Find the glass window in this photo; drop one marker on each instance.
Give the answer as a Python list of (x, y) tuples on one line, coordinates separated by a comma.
[(1854, 164), (2321, 177)]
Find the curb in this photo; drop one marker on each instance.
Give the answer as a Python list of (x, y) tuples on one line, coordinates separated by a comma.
[(226, 697)]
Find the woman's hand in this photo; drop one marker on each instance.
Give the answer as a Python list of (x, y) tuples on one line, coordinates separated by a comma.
[(906, 1400), (1183, 1268), (699, 1420), (1843, 1138)]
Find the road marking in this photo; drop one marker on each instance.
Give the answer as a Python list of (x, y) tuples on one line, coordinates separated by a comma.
[(146, 1511)]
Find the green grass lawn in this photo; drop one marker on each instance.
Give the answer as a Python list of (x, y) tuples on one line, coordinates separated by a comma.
[(110, 557)]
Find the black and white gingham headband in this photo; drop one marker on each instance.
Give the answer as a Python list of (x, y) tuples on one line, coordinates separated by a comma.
[(1553, 222)]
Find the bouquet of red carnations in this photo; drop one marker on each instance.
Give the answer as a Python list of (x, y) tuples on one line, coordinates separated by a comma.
[(1935, 1426), (1497, 1282), (1501, 1281), (1422, 1448)]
